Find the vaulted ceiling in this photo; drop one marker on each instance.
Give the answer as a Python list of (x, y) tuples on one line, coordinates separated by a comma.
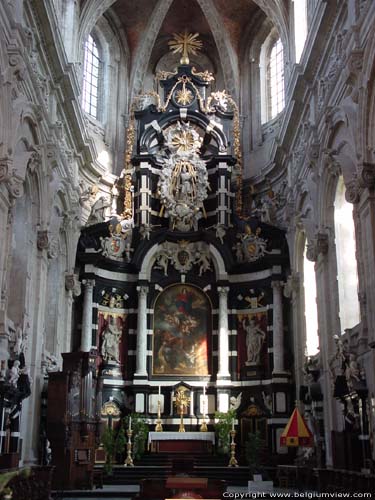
[(223, 27)]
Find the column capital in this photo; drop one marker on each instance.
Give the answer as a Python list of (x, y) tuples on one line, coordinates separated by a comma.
[(366, 174), (72, 284), (223, 290), (142, 290), (277, 284), (88, 283), (319, 244), (292, 284)]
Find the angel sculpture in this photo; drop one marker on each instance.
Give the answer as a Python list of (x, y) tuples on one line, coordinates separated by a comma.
[(235, 401)]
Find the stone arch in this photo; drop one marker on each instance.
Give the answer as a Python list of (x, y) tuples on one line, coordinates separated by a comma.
[(277, 12), (227, 55), (149, 260)]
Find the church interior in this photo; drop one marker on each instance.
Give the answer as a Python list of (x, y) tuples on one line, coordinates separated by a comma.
[(187, 221)]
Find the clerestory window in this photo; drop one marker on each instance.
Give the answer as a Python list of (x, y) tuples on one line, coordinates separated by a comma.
[(347, 274), (275, 79), (91, 78)]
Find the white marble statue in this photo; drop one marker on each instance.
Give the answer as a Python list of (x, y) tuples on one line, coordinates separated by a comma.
[(111, 341), (14, 373), (254, 341), (98, 210)]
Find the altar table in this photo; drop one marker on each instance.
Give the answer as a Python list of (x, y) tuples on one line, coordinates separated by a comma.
[(181, 442)]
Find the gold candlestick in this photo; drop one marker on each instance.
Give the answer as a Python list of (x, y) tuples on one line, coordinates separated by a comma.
[(129, 460), (158, 426), (232, 461), (182, 427)]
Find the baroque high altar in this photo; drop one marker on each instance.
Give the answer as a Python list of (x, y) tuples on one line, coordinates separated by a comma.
[(183, 283)]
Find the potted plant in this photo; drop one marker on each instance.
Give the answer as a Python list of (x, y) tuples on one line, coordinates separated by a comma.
[(254, 449), (140, 432), (7, 493), (109, 445), (223, 425)]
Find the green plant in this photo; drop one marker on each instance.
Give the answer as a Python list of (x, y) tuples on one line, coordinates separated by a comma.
[(223, 425), (7, 476), (7, 492), (254, 449), (140, 431), (109, 444)]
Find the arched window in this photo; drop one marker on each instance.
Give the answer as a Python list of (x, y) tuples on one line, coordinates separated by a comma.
[(347, 276), (91, 78), (271, 77), (300, 26), (275, 79)]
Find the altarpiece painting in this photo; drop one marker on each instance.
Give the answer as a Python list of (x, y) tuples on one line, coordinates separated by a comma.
[(182, 323)]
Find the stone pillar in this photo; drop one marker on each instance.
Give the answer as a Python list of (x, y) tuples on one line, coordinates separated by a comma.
[(86, 333), (223, 333), (278, 327), (292, 290), (142, 333)]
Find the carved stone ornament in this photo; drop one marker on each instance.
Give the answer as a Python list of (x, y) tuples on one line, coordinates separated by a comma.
[(367, 175), (183, 179), (117, 246), (42, 240), (250, 247), (53, 247), (15, 186), (4, 168), (353, 191), (183, 256), (73, 284), (318, 245)]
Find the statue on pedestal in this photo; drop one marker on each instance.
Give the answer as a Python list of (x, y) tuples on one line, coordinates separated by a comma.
[(111, 341), (254, 340)]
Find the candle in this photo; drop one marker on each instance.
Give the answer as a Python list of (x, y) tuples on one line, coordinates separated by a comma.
[(232, 424), (130, 424), (204, 389), (159, 390)]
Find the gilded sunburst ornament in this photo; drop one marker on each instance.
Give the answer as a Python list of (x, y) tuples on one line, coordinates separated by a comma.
[(184, 96), (185, 43), (183, 141)]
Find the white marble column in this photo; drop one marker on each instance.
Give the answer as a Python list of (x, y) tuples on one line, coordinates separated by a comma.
[(142, 332), (278, 327), (223, 333), (86, 333)]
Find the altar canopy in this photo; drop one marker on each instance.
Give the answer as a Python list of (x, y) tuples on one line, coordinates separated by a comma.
[(296, 432)]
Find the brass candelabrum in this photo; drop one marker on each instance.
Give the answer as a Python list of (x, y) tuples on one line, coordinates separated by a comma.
[(129, 459), (181, 402), (203, 427), (158, 426), (232, 461)]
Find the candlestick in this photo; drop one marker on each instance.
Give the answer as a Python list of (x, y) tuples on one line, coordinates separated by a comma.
[(129, 459), (158, 426), (232, 461)]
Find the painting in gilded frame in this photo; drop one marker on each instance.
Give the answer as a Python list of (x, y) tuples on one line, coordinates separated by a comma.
[(182, 321)]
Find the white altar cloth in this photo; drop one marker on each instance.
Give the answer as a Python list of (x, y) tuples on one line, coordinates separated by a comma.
[(179, 436)]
